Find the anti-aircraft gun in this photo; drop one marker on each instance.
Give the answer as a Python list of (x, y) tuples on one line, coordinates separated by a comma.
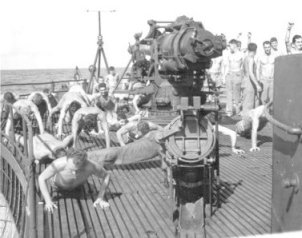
[(173, 59)]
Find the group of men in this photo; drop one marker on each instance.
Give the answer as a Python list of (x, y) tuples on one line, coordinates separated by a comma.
[(95, 114), (249, 85), (248, 75), (248, 78)]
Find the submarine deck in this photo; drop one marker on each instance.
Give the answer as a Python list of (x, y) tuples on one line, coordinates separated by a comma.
[(139, 202)]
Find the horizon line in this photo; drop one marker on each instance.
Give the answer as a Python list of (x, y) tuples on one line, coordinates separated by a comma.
[(7, 69)]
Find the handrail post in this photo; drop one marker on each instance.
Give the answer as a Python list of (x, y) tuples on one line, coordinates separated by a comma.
[(32, 186), (52, 86), (85, 85)]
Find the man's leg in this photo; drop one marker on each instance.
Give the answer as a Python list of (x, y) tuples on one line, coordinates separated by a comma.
[(135, 102), (270, 90), (106, 156), (264, 95), (237, 81), (248, 100), (229, 95)]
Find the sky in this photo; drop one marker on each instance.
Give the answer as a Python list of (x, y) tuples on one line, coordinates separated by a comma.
[(62, 34)]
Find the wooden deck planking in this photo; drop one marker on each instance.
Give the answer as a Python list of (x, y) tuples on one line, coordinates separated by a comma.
[(140, 206)]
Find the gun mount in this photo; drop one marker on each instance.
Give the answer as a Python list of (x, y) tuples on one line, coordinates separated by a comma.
[(174, 57)]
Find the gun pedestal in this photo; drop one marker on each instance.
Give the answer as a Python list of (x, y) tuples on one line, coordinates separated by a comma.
[(193, 168)]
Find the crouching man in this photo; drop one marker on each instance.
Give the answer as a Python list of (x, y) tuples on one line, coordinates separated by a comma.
[(70, 172)]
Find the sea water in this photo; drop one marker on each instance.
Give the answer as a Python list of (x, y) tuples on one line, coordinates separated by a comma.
[(29, 76)]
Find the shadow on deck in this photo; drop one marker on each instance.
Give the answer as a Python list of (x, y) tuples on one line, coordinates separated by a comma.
[(139, 202)]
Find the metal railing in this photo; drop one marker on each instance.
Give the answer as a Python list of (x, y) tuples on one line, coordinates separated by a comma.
[(55, 86), (17, 173)]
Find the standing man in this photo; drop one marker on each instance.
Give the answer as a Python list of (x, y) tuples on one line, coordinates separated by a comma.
[(265, 72), (251, 86), (274, 46), (111, 80), (294, 47), (233, 77)]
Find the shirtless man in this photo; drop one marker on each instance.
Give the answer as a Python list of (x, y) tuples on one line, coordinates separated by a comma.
[(47, 146), (274, 45), (88, 118), (69, 103), (148, 144), (142, 95), (265, 72), (251, 86), (70, 172), (226, 131), (135, 129), (41, 100), (294, 47), (27, 108), (254, 120), (104, 101), (96, 86), (111, 80), (232, 76)]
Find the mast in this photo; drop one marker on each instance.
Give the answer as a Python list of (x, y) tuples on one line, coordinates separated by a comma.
[(96, 66)]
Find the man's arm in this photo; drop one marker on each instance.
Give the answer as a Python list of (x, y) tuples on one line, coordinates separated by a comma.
[(255, 124), (287, 38), (8, 123), (49, 172), (225, 68), (233, 136), (51, 112), (104, 175), (252, 75), (44, 97), (37, 114), (258, 68), (123, 130), (136, 118), (249, 38), (61, 118), (75, 127), (255, 114), (169, 132), (103, 124)]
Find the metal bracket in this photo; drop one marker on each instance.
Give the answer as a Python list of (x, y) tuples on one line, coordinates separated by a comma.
[(294, 182)]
